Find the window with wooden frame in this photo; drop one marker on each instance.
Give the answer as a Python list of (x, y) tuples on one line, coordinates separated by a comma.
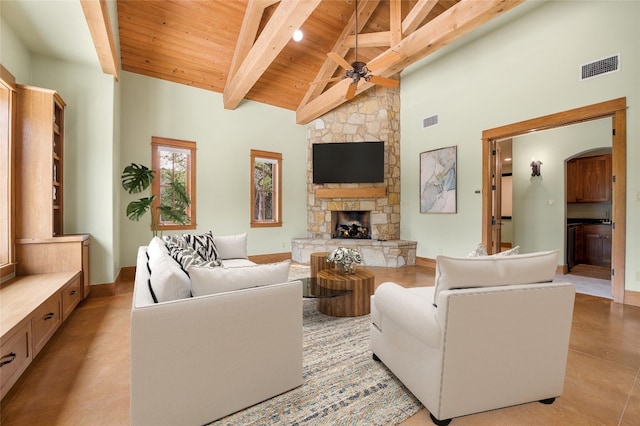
[(174, 164), (266, 189), (7, 189)]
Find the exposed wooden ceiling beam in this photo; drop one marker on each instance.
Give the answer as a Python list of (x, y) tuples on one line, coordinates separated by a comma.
[(457, 21), (96, 13), (287, 18), (417, 15), (395, 22), (248, 33), (382, 38)]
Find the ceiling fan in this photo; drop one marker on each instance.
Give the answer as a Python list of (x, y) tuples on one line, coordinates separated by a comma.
[(356, 70)]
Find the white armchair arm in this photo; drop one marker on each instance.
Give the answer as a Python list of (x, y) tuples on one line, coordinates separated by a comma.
[(409, 312)]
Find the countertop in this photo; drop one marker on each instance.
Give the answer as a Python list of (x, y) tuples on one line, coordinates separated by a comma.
[(582, 221)]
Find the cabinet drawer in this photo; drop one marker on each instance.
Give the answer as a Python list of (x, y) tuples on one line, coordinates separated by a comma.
[(45, 321), (15, 357), (71, 294)]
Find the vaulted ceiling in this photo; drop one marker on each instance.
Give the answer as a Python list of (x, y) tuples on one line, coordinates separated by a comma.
[(244, 48)]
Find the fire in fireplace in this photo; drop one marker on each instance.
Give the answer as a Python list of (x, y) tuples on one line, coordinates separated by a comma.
[(351, 224)]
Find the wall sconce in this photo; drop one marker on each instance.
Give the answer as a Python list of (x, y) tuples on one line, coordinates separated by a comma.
[(535, 167)]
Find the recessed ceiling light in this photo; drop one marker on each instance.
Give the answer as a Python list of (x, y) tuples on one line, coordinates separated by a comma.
[(297, 35)]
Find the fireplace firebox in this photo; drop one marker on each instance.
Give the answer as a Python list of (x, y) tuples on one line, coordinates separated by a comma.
[(351, 224)]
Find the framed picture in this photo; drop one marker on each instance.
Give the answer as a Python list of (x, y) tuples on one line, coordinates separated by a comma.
[(438, 170)]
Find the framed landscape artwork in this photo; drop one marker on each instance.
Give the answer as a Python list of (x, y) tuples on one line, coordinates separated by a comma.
[(438, 170)]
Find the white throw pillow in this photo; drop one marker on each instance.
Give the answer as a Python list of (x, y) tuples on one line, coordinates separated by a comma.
[(510, 252), (490, 271), (168, 280), (231, 246), (156, 248), (220, 280)]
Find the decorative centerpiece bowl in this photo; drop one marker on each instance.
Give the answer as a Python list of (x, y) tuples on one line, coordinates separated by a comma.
[(345, 259)]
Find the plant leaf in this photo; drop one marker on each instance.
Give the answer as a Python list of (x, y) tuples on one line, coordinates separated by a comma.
[(180, 193), (173, 215), (136, 209), (136, 178)]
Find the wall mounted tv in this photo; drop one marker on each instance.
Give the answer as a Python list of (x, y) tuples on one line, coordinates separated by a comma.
[(348, 162)]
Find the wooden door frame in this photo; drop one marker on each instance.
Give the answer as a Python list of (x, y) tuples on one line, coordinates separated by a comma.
[(617, 110)]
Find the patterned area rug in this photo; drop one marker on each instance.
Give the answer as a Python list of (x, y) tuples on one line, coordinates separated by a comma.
[(342, 385)]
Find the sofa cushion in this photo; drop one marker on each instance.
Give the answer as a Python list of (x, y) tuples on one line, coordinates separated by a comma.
[(187, 257), (490, 271), (168, 281), (156, 247), (231, 246), (175, 241), (204, 245), (220, 280)]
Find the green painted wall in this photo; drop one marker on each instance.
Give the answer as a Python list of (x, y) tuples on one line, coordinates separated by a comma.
[(152, 107), (524, 69)]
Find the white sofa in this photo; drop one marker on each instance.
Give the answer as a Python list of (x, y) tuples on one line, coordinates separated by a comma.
[(198, 359), (493, 332)]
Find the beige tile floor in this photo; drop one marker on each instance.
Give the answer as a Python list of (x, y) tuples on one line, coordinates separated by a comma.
[(82, 375)]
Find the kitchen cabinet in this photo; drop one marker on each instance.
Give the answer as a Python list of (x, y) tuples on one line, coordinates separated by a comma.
[(589, 179), (597, 244)]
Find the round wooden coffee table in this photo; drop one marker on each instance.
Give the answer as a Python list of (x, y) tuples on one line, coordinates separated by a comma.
[(355, 303)]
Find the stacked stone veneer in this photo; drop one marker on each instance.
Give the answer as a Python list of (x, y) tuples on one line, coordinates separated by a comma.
[(372, 116)]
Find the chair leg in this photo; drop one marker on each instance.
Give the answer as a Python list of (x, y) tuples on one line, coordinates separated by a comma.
[(375, 358), (547, 401), (439, 422)]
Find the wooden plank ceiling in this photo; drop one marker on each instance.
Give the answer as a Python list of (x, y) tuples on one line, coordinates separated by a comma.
[(243, 48)]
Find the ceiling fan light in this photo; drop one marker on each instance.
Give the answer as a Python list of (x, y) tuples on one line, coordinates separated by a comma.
[(297, 35)]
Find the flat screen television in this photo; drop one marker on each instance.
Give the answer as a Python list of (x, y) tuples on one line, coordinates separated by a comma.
[(348, 162)]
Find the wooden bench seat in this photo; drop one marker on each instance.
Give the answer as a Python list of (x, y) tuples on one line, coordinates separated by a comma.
[(32, 308)]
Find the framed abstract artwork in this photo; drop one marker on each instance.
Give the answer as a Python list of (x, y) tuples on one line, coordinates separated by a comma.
[(438, 177)]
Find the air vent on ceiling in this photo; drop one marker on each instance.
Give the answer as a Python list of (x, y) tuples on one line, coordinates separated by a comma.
[(600, 67), (430, 121)]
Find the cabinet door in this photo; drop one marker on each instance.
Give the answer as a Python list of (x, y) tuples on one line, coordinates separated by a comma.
[(592, 247), (595, 179), (606, 246), (579, 248), (572, 181)]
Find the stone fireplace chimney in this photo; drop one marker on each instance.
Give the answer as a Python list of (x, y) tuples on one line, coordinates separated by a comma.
[(372, 115)]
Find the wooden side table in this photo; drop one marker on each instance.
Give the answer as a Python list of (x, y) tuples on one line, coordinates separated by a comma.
[(355, 303)]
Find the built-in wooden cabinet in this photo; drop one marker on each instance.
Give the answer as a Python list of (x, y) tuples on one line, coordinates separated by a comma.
[(39, 163), (589, 179), (52, 268), (33, 308), (597, 244)]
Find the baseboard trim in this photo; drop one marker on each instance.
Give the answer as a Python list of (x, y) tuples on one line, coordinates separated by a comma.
[(126, 275), (632, 298), (102, 290), (426, 262), (270, 258)]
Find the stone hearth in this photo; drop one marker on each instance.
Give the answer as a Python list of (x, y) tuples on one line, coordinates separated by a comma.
[(392, 254)]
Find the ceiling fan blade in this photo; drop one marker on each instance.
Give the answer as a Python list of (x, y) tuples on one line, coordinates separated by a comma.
[(351, 91), (339, 60), (383, 81), (325, 80)]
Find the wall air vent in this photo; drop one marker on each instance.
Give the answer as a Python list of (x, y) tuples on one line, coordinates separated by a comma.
[(430, 121), (600, 67)]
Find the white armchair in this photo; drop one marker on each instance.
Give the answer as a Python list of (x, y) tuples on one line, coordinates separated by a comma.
[(493, 332)]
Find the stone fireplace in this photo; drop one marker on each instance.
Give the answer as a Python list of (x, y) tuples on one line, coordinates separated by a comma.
[(372, 115)]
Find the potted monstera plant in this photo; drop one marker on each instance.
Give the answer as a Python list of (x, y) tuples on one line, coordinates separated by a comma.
[(137, 178)]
